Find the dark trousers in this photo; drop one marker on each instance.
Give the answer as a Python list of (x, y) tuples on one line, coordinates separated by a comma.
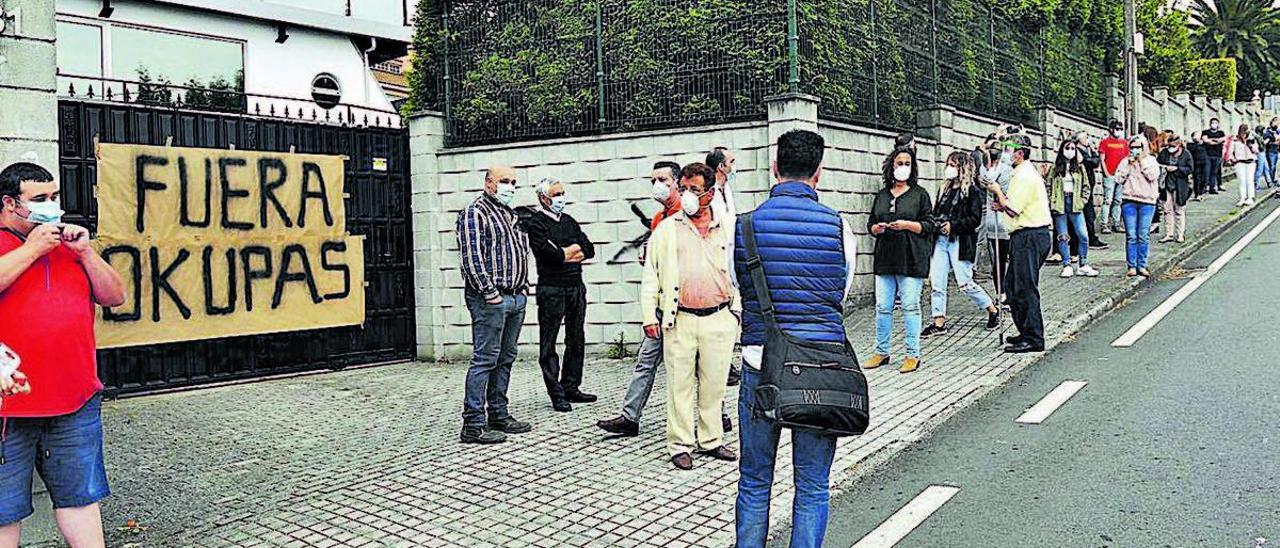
[(999, 263), (495, 332), (1201, 173), (1213, 181), (556, 305), (1028, 249)]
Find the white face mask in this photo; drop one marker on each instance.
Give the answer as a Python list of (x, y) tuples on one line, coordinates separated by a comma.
[(951, 172), (1118, 134), (1213, 126), (661, 192), (558, 203), (689, 203), (901, 173), (1069, 154), (505, 193), (44, 212)]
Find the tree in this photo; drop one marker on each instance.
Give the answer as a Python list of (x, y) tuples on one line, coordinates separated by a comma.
[(1168, 45), (1246, 30)]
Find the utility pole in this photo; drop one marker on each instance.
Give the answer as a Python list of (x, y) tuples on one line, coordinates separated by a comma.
[(1131, 93)]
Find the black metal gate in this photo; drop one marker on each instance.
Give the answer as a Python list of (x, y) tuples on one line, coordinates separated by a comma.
[(377, 207)]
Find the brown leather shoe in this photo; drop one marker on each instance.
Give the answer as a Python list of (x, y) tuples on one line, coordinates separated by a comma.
[(876, 360), (721, 453), (683, 461)]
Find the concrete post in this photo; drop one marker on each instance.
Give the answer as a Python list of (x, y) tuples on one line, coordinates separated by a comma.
[(426, 139), (936, 122), (28, 84)]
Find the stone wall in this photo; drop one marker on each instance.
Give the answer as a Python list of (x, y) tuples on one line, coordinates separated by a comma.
[(28, 105)]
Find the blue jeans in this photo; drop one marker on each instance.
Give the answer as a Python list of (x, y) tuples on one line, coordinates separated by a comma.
[(908, 289), (1112, 195), (1214, 170), (495, 330), (67, 452), (1137, 227), (1273, 156), (811, 456), (1063, 221), (1261, 173), (946, 259)]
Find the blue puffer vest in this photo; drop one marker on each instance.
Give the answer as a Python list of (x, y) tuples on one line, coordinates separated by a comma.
[(802, 249)]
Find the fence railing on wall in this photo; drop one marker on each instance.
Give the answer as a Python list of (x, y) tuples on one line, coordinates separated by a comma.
[(508, 70)]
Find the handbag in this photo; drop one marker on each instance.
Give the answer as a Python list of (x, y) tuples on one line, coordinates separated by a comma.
[(807, 385)]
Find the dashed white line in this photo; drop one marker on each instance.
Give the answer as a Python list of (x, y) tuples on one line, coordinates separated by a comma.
[(1051, 402), (908, 518)]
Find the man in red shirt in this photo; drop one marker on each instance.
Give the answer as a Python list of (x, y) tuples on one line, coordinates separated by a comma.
[(50, 278), (1113, 149)]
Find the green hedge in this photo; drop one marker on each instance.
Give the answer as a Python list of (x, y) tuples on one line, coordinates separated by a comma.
[(1212, 77)]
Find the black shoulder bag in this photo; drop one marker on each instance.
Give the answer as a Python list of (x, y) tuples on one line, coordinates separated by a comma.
[(807, 385)]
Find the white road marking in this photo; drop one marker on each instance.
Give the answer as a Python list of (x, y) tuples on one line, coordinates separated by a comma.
[(1147, 323), (1051, 402), (907, 518)]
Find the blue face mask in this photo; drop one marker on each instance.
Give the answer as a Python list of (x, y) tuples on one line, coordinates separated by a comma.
[(44, 212), (558, 203)]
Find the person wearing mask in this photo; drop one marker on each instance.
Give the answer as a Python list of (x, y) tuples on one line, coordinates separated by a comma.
[(1243, 155), (663, 184), (1027, 218), (495, 269), (1112, 150), (688, 300), (723, 162), (1214, 138), (902, 223), (1176, 188), (1199, 163), (1090, 160), (1140, 174), (1156, 140), (998, 169), (51, 278), (559, 247), (1262, 169), (956, 216), (806, 245), (1272, 141), (1067, 181)]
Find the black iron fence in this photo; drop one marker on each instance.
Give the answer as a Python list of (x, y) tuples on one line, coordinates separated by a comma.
[(507, 70)]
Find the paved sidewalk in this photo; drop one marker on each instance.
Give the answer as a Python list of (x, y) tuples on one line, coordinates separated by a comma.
[(370, 457)]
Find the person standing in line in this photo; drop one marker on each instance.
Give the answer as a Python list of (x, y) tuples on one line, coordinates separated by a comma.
[(902, 223), (1066, 180), (1113, 149), (1213, 138), (1262, 169), (495, 269), (1090, 161), (663, 180), (956, 217), (1243, 155), (1177, 164), (1272, 142), (1027, 219), (1199, 164), (812, 248), (1140, 174), (723, 162), (559, 247), (51, 278), (998, 170), (687, 299)]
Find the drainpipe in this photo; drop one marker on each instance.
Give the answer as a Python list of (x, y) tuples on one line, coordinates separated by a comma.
[(368, 73)]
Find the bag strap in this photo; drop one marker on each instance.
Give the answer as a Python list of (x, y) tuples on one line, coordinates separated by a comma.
[(756, 269)]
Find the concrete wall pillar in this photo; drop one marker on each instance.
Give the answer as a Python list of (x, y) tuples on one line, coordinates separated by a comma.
[(28, 87), (427, 131), (790, 111)]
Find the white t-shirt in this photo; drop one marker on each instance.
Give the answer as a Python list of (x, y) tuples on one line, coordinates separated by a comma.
[(1068, 184)]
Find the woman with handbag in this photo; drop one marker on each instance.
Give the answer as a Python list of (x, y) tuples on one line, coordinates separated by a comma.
[(1176, 162), (957, 216), (901, 222)]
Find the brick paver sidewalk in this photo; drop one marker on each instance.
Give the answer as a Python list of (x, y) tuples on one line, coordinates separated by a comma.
[(370, 457)]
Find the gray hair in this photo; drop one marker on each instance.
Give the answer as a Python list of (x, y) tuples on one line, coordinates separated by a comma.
[(544, 186)]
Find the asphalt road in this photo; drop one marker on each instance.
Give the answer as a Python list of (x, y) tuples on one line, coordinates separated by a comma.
[(1174, 441)]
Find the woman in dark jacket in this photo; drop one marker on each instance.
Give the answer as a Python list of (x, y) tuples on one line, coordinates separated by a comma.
[(956, 217), (901, 222), (1199, 165), (1176, 188)]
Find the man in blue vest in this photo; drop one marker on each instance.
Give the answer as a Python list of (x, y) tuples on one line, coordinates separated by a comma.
[(808, 254)]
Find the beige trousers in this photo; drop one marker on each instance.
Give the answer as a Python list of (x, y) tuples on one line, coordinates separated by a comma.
[(1175, 217), (697, 351)]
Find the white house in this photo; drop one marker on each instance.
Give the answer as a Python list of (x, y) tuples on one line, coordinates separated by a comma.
[(312, 57)]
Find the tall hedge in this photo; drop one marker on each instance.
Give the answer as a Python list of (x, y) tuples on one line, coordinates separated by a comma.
[(1212, 77)]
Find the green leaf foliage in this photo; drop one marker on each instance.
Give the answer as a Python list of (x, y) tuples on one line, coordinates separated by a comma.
[(1212, 77)]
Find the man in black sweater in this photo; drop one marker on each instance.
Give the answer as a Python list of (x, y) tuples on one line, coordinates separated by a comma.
[(559, 247)]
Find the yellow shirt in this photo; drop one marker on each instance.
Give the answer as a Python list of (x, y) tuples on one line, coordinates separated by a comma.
[(1028, 197), (704, 264)]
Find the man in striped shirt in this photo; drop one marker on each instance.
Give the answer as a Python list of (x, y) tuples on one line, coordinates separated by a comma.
[(495, 267)]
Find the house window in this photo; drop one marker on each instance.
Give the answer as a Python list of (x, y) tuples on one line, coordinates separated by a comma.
[(164, 57), (79, 54)]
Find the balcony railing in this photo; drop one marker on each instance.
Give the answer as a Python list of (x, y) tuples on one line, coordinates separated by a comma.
[(222, 100)]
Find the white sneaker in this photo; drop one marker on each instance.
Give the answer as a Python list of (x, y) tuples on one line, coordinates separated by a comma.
[(1088, 271), (1249, 202), (1067, 272)]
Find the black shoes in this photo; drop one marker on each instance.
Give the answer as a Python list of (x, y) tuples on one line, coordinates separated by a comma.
[(561, 406), (726, 423), (933, 329), (620, 426), (1021, 347), (577, 396), (510, 426), (1098, 245), (993, 320), (483, 436), (721, 453)]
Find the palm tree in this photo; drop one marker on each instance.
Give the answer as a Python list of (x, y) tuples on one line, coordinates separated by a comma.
[(1247, 30)]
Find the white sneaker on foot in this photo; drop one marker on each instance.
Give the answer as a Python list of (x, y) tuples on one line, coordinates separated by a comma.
[(1249, 202), (1088, 271), (1067, 272)]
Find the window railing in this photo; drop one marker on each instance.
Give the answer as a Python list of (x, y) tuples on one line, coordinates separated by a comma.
[(222, 100)]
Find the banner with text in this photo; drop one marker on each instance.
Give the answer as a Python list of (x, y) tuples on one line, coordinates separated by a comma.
[(220, 243)]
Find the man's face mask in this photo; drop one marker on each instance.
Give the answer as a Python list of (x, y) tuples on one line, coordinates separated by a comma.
[(47, 212)]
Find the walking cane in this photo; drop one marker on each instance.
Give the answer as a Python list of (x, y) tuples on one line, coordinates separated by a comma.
[(999, 286)]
